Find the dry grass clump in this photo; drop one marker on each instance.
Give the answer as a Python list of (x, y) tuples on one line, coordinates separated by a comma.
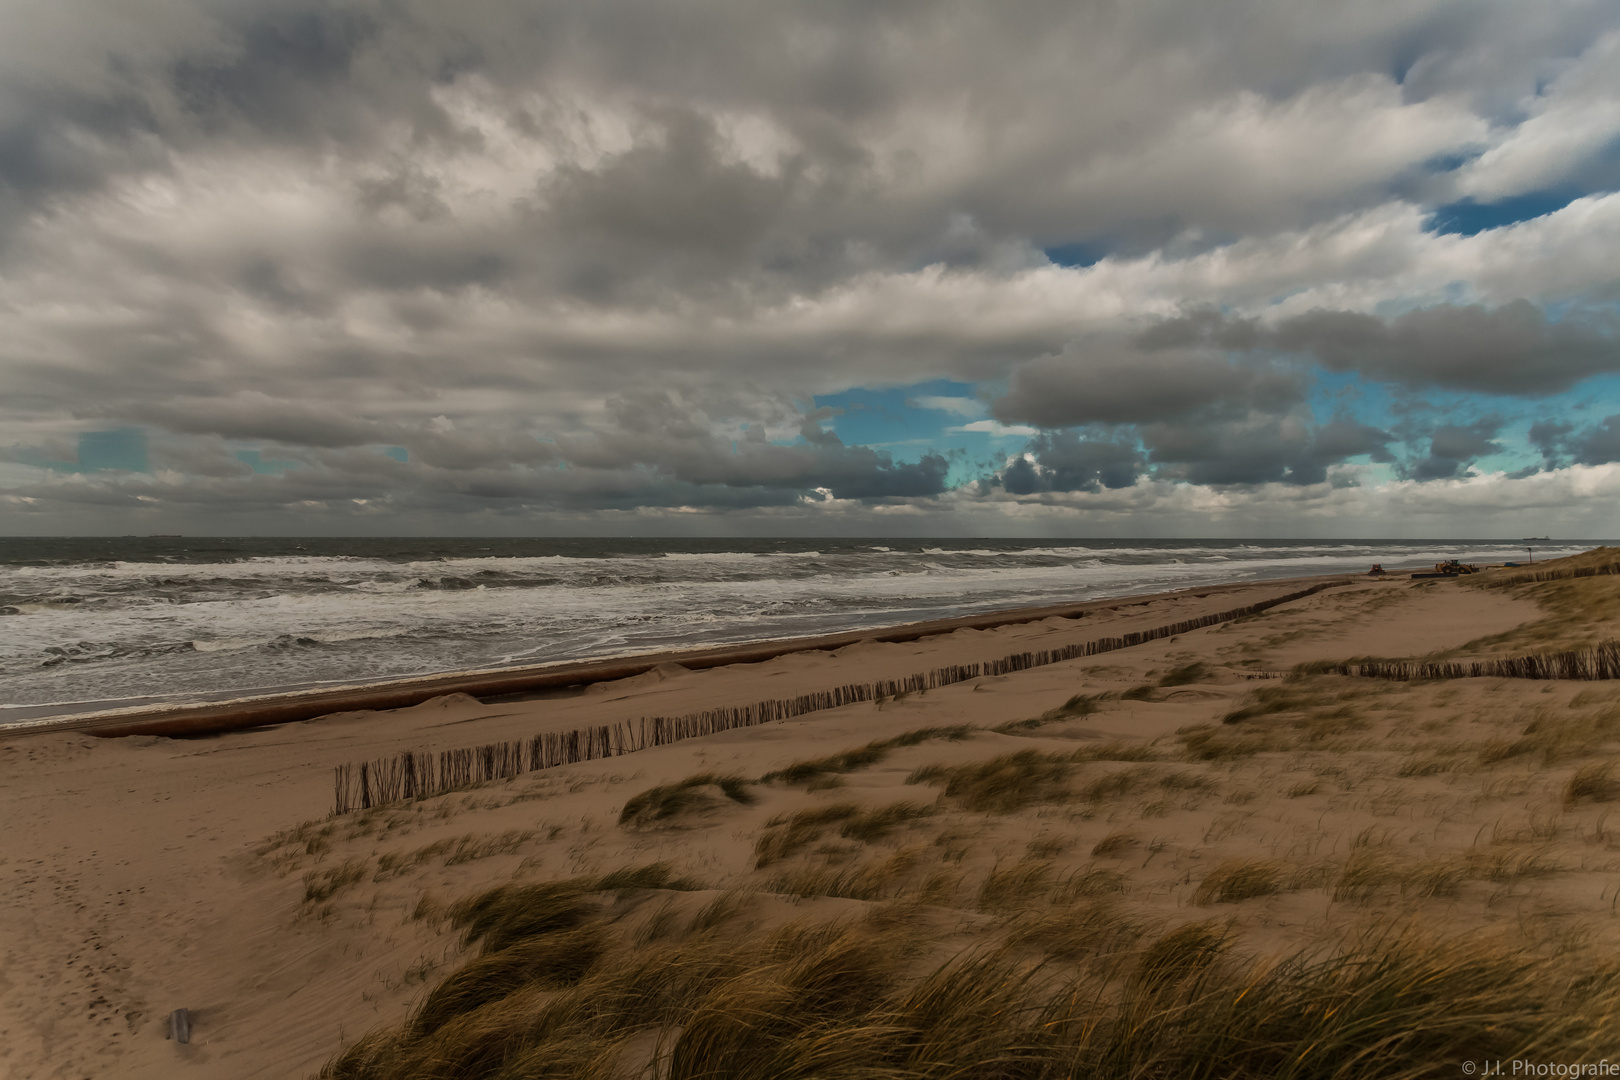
[(861, 757), (452, 851), (1115, 843), (1115, 750), (1078, 705), (1185, 675), (1592, 783), (789, 833), (659, 804), (1020, 885), (1206, 742), (1011, 782), (1319, 699), (873, 880), (1236, 880), (1556, 734), (320, 885), (1096, 932), (1419, 765), (1001, 784)]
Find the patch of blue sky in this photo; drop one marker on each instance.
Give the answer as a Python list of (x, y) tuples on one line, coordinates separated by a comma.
[(1467, 217), (398, 453), (123, 449), (118, 450), (938, 416), (1080, 254)]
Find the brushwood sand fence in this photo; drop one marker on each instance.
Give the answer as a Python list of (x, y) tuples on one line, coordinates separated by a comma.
[(420, 774)]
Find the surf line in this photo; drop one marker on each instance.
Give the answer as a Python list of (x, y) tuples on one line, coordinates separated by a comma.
[(421, 774)]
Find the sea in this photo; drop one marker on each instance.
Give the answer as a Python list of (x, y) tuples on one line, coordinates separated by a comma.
[(88, 624)]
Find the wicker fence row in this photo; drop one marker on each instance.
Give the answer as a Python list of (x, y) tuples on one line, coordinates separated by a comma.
[(1602, 661), (418, 774), (1560, 574)]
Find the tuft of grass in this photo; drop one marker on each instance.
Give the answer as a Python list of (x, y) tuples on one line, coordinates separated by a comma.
[(874, 880), (876, 823), (1097, 932), (1112, 785), (1115, 750), (1236, 880), (788, 833), (861, 757), (1185, 675), (1078, 705), (1316, 699), (321, 885), (659, 804), (507, 914), (1002, 784), (1183, 952), (1204, 742), (543, 962), (1019, 885), (1592, 783), (1115, 843), (1139, 693)]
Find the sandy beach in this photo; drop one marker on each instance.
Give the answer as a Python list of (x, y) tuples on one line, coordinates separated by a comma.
[(1197, 778)]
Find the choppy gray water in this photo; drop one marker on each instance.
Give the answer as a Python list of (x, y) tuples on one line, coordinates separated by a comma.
[(97, 623)]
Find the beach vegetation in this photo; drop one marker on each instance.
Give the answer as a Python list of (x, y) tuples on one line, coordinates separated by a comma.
[(786, 834), (324, 883), (1592, 783), (1044, 847), (1077, 706), (861, 757), (1002, 784), (1115, 750), (1185, 675), (1235, 880), (658, 805), (1024, 883), (872, 880), (1115, 843)]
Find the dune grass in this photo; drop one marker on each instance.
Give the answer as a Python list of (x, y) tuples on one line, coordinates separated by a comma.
[(660, 804), (1068, 991), (861, 757)]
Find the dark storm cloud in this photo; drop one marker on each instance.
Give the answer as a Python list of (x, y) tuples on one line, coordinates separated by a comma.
[(1454, 447), (1073, 461), (1561, 442), (1510, 349), (1513, 349), (657, 431), (1260, 448), (1104, 383)]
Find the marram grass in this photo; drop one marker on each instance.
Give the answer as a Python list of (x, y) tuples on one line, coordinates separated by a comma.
[(564, 988)]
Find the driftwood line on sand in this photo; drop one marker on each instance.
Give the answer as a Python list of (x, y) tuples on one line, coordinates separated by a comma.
[(418, 774)]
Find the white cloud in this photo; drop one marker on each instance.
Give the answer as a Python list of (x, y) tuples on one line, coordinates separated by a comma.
[(957, 406), (997, 428)]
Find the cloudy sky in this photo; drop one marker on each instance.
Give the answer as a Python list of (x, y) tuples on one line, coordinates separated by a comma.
[(1261, 268)]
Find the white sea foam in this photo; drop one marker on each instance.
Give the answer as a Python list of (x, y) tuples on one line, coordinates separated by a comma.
[(125, 628)]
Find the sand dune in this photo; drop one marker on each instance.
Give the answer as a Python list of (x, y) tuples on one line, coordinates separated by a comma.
[(147, 874)]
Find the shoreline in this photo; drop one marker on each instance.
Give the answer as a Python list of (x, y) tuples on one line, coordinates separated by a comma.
[(281, 707)]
